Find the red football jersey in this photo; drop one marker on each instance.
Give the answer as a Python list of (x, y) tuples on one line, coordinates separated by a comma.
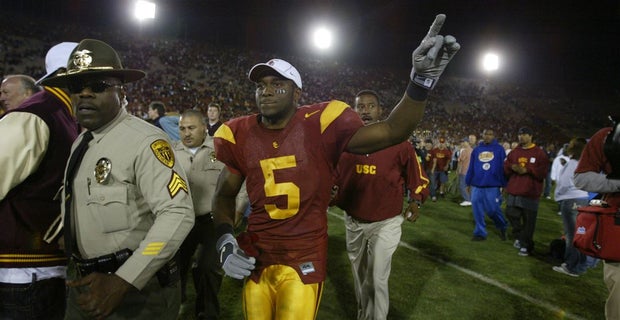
[(371, 187), (289, 174)]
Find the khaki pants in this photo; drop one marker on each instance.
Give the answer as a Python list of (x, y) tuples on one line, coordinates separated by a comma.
[(611, 276), (370, 247)]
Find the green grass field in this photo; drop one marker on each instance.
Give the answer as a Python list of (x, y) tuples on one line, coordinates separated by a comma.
[(439, 273)]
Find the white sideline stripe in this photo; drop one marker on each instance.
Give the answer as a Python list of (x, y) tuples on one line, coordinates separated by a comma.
[(557, 310)]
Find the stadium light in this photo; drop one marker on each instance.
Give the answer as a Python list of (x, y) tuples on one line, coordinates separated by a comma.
[(490, 62), (322, 38), (144, 10)]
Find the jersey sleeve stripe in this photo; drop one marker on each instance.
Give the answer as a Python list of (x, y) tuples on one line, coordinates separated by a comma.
[(333, 110), (225, 133)]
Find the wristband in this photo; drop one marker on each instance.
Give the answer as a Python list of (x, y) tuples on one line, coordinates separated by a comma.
[(223, 229), (416, 92)]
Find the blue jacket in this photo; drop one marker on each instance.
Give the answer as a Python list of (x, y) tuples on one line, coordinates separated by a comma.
[(486, 167), (170, 124)]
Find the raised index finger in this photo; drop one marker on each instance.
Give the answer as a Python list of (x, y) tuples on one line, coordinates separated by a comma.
[(436, 26)]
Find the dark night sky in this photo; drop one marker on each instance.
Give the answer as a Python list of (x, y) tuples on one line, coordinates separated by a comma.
[(539, 40)]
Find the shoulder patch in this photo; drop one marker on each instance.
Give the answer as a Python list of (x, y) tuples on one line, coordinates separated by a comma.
[(162, 150), (332, 111), (176, 184), (225, 133)]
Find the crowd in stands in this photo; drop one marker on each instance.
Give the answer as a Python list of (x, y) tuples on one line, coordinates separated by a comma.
[(190, 74)]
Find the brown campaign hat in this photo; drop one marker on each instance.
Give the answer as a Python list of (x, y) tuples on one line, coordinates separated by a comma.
[(93, 58)]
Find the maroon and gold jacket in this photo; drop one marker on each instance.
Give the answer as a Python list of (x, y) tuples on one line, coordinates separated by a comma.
[(30, 208), (371, 187)]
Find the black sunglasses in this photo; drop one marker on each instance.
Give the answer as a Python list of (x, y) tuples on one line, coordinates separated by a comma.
[(98, 86)]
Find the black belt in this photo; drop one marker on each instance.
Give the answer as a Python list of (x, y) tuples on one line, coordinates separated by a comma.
[(205, 217), (103, 264), (109, 263)]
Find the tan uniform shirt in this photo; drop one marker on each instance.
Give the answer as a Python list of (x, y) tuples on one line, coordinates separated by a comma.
[(130, 192), (203, 170)]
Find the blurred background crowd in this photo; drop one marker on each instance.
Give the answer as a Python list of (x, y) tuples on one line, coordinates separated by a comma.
[(185, 74)]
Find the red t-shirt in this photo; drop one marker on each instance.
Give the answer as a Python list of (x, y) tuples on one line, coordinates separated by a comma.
[(371, 187), (443, 157), (529, 185), (289, 174)]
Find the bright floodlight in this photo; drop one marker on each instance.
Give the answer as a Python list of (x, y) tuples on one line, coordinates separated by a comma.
[(490, 62), (322, 38), (144, 10)]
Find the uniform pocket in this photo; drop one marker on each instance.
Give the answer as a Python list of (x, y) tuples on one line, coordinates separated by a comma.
[(109, 207)]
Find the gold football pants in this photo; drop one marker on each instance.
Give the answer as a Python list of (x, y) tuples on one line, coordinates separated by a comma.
[(280, 294)]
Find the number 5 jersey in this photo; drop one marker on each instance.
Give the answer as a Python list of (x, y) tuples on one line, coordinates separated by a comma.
[(289, 173)]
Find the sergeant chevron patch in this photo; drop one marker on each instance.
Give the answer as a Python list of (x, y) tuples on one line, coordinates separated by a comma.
[(176, 184)]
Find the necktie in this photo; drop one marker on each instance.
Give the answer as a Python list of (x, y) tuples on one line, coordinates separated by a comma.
[(74, 164)]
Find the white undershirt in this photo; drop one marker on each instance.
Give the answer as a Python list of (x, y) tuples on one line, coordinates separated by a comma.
[(24, 275)]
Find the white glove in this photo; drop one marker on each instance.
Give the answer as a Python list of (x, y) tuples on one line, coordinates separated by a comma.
[(432, 55), (235, 263)]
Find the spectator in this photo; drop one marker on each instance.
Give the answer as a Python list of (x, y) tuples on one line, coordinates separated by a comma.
[(506, 146), (440, 156), (157, 110), (213, 117), (570, 198), (15, 89), (551, 154), (36, 142), (598, 171), (559, 162), (373, 228), (463, 165), (526, 168), (485, 178), (169, 124), (472, 140), (425, 155)]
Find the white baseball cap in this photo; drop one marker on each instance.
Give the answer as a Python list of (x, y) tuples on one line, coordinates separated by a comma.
[(280, 66), (57, 58)]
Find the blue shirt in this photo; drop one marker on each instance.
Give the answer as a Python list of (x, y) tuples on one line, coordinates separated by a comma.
[(486, 166)]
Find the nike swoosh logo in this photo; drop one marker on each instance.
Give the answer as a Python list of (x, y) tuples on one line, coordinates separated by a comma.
[(308, 115)]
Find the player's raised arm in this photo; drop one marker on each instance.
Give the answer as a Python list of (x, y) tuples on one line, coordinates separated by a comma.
[(430, 59)]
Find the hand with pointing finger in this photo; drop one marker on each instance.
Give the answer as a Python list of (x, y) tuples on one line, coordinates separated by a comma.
[(431, 57)]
